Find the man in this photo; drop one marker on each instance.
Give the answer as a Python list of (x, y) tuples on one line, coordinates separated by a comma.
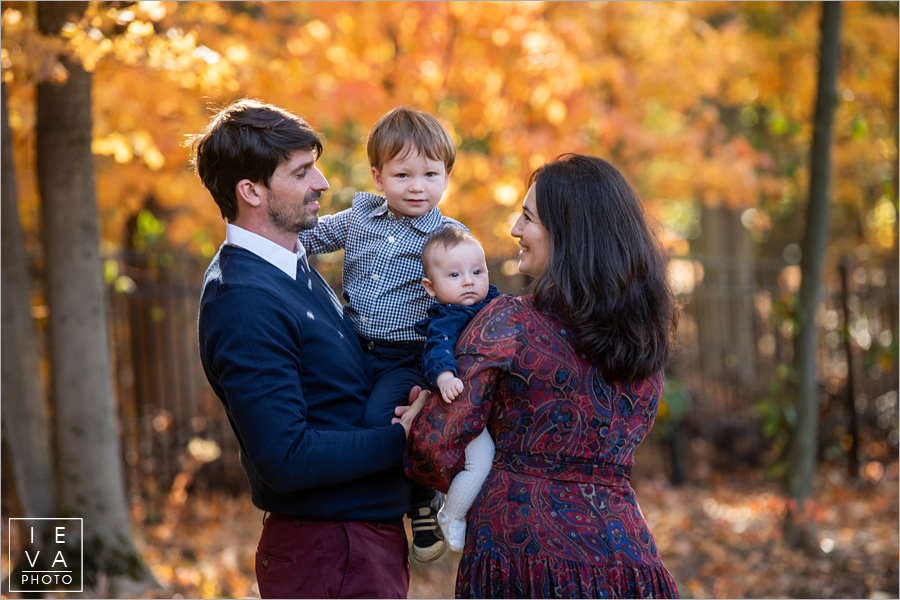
[(291, 374)]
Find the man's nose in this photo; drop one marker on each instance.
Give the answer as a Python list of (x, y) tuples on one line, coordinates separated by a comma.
[(320, 183)]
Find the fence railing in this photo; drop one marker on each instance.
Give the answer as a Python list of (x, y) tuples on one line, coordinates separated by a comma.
[(733, 339)]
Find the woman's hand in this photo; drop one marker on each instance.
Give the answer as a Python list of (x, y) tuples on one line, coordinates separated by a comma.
[(407, 414)]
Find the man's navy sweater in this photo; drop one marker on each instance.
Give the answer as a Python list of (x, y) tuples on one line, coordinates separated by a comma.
[(294, 382)]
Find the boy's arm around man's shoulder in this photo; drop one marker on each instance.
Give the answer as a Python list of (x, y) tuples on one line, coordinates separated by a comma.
[(330, 233)]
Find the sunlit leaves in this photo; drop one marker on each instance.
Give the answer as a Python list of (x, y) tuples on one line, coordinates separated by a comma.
[(695, 102)]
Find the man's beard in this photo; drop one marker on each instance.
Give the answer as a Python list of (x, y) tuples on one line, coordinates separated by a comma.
[(292, 223)]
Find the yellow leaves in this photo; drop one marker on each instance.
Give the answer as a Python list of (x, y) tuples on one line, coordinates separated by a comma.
[(155, 11), (431, 73), (556, 112), (298, 45), (123, 148), (336, 54), (883, 221), (11, 18), (318, 30), (500, 37), (508, 192), (540, 96), (26, 55), (237, 54), (140, 29), (115, 145), (668, 90)]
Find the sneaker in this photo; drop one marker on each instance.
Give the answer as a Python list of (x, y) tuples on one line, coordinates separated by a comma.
[(428, 540)]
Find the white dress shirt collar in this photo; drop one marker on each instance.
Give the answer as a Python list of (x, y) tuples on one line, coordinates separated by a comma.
[(274, 254)]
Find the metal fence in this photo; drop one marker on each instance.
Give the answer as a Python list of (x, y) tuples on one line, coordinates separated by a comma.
[(733, 339)]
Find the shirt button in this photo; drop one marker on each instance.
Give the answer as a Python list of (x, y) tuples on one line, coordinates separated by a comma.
[(363, 319), (375, 277), (391, 239)]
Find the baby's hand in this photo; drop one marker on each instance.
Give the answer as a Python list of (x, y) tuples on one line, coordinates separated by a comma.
[(450, 386)]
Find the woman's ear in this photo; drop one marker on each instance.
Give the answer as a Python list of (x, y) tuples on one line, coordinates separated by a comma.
[(429, 288), (248, 192)]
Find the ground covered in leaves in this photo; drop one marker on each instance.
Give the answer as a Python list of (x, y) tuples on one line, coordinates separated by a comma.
[(721, 540)]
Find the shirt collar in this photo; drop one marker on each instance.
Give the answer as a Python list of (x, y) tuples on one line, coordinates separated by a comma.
[(425, 224), (274, 254)]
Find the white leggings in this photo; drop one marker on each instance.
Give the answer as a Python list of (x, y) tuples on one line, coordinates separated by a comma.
[(467, 483)]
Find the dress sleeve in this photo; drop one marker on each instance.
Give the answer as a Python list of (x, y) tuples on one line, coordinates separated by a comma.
[(435, 450)]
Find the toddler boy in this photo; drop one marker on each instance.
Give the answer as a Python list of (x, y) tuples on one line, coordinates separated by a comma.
[(411, 157)]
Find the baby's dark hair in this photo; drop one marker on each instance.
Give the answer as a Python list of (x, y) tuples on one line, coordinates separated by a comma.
[(447, 237)]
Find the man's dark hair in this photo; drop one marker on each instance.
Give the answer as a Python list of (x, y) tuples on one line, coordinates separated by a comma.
[(607, 270), (247, 140)]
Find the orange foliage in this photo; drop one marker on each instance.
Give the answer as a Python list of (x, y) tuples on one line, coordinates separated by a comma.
[(697, 102)]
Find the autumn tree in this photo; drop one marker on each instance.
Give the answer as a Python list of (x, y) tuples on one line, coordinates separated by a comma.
[(803, 447), (25, 426), (90, 481)]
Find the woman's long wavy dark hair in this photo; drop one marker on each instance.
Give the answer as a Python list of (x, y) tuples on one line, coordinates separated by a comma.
[(607, 269)]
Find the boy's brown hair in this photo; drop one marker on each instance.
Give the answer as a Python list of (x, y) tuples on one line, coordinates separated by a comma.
[(404, 129)]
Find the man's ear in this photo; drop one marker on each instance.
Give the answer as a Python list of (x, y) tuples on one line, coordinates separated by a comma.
[(429, 288), (376, 177), (248, 192)]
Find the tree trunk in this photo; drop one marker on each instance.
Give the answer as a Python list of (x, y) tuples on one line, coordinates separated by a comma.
[(25, 425), (90, 475), (799, 527), (725, 326)]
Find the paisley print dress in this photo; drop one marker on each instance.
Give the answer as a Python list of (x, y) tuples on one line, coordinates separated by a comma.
[(557, 516)]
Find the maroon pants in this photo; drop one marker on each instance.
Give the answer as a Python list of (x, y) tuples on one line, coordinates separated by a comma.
[(331, 559)]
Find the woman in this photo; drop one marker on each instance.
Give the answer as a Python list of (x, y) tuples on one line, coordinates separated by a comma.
[(567, 381)]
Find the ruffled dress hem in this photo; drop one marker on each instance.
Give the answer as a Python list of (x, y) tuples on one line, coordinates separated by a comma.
[(489, 576)]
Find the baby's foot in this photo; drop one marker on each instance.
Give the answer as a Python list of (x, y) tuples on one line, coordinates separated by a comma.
[(454, 530)]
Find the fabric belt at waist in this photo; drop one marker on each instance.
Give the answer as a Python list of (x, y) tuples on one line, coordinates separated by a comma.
[(411, 347), (398, 522), (564, 468)]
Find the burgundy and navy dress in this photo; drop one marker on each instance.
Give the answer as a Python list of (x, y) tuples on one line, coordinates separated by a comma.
[(557, 516)]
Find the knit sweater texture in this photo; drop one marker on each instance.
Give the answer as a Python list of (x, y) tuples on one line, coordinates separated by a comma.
[(294, 382)]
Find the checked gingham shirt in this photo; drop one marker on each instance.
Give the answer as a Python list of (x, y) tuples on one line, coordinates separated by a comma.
[(382, 269)]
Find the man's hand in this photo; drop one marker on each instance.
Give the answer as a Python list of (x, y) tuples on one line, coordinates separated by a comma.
[(450, 386), (407, 414)]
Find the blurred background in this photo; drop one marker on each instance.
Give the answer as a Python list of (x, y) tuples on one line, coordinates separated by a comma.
[(707, 107)]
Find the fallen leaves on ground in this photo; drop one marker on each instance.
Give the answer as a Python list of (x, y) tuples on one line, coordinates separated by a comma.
[(720, 540), (725, 540)]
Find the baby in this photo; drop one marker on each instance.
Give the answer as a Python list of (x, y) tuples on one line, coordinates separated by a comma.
[(456, 275)]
